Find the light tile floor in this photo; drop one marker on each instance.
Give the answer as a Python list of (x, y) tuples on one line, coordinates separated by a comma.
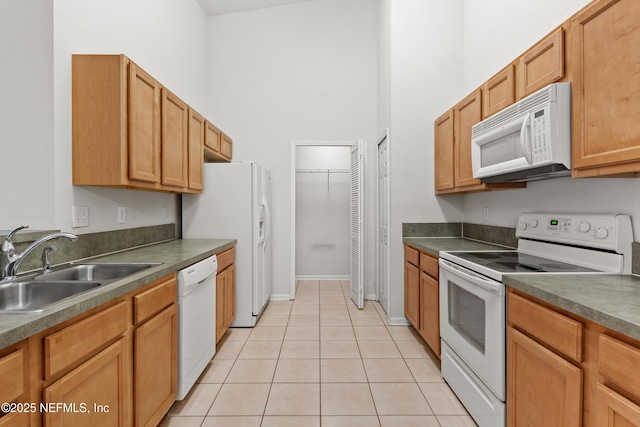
[(319, 361)]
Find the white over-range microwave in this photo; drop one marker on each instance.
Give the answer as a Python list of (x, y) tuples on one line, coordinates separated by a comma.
[(529, 140)]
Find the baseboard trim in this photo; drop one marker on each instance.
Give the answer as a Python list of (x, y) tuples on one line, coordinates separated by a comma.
[(323, 277), (398, 321), (280, 297)]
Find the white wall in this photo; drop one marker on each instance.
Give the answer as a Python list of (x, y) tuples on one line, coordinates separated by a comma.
[(304, 71), (322, 211), (26, 114), (167, 38), (526, 24), (426, 70)]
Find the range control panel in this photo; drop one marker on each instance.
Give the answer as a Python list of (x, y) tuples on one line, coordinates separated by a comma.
[(595, 231)]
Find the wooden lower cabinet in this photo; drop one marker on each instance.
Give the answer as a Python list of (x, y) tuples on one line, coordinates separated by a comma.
[(97, 393), (430, 311), (543, 388), (155, 367), (412, 294), (549, 386), (614, 410), (225, 300)]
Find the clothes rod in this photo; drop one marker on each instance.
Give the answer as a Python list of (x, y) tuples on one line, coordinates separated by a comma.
[(323, 171)]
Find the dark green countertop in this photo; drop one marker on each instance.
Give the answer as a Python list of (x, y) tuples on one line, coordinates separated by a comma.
[(612, 301), (433, 245), (174, 255)]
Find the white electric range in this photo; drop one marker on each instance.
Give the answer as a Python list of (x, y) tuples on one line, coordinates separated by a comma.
[(473, 298)]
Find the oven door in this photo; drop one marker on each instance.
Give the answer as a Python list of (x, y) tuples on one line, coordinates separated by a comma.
[(472, 322)]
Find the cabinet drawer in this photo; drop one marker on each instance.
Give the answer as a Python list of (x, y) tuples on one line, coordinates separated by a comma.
[(73, 343), (617, 361), (12, 378), (154, 300), (412, 255), (226, 258), (558, 331), (429, 265)]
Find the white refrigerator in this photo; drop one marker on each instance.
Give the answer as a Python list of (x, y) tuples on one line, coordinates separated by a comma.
[(235, 205)]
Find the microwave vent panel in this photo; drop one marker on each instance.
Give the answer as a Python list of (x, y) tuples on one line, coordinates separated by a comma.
[(520, 108)]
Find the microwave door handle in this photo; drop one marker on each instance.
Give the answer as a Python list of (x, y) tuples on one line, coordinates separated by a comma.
[(525, 140)]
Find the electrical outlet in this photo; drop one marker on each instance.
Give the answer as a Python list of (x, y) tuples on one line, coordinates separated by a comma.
[(79, 216), (163, 212), (485, 214), (122, 215)]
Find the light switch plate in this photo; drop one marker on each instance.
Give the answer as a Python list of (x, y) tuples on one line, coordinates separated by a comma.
[(79, 216), (122, 215)]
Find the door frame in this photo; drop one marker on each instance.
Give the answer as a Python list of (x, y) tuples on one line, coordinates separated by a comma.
[(294, 145), (381, 139)]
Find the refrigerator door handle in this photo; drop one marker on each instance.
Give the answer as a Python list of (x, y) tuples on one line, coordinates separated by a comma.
[(267, 224)]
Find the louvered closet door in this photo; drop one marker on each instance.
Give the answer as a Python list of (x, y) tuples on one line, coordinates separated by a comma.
[(357, 279)]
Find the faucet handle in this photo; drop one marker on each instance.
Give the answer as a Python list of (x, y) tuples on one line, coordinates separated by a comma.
[(46, 262), (7, 245)]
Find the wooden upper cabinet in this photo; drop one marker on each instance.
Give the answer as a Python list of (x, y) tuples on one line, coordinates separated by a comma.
[(499, 92), (174, 140), (218, 145), (128, 130), (605, 47), (467, 113), (197, 125), (144, 126), (541, 65), (443, 143)]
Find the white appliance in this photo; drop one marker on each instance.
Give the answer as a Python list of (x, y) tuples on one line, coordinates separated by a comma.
[(235, 205), (529, 140), (472, 296), (197, 318)]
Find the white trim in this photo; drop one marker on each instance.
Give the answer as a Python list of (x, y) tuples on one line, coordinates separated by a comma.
[(292, 244), (381, 139), (371, 297), (323, 277), (398, 321), (280, 297)]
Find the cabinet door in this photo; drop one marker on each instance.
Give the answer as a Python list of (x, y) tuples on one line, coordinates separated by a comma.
[(230, 296), (444, 159), (542, 65), (103, 384), (144, 126), (613, 410), (430, 311), (605, 41), (156, 367), (226, 146), (466, 114), (412, 294), (543, 389), (196, 150), (213, 138), (174, 140), (498, 92), (221, 285)]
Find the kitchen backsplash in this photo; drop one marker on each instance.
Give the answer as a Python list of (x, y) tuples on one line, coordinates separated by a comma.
[(89, 245), (504, 236)]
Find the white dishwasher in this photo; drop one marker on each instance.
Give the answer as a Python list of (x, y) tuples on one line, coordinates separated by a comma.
[(197, 321)]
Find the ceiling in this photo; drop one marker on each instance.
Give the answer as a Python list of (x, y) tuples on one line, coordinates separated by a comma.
[(220, 7)]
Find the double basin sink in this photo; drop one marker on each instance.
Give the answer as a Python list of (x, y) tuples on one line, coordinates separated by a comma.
[(36, 293)]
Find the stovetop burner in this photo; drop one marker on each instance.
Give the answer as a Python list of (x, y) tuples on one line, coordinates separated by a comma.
[(517, 262)]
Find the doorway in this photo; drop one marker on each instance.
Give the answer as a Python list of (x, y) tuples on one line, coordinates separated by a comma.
[(323, 234)]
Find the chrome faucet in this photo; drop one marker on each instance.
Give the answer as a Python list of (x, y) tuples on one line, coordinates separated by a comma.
[(10, 260)]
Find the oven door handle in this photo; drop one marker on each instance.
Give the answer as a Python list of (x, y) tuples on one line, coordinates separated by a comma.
[(476, 279)]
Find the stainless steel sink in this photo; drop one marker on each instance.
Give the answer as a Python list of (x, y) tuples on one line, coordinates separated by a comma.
[(97, 272), (33, 296)]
